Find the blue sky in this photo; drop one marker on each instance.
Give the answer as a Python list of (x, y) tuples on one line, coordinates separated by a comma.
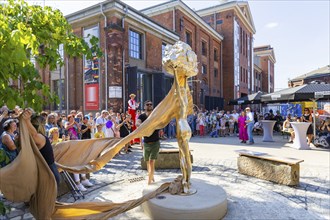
[(297, 30)]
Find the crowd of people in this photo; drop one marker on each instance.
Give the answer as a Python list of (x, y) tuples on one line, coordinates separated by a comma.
[(50, 128)]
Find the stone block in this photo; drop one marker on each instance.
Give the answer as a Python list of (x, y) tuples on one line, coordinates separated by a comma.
[(167, 159), (278, 172)]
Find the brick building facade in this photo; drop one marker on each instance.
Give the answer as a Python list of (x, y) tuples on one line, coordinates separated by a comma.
[(264, 58), (207, 86), (234, 21), (132, 63), (133, 43)]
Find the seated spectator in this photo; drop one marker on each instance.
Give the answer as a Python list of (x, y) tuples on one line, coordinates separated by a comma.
[(288, 128), (257, 127), (8, 149), (279, 121), (214, 132)]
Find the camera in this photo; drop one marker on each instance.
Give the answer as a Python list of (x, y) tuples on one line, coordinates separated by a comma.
[(11, 111)]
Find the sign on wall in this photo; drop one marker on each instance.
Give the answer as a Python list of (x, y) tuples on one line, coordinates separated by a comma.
[(91, 74), (115, 92)]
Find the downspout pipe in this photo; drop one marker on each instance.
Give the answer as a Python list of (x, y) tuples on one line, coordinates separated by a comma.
[(123, 60), (67, 85), (105, 58)]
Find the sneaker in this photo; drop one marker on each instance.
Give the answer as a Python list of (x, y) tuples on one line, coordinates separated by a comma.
[(86, 183), (129, 150), (81, 187)]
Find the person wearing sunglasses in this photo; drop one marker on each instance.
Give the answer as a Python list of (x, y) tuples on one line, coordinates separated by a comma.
[(151, 143)]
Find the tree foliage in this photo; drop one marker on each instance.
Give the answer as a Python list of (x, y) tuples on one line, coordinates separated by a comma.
[(31, 32)]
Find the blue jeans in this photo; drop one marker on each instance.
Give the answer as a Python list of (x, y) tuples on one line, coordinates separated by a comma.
[(171, 131), (249, 130), (54, 170)]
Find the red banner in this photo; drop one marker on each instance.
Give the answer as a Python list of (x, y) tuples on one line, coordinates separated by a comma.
[(91, 96)]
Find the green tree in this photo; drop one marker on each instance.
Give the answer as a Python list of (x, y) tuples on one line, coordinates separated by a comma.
[(27, 33)]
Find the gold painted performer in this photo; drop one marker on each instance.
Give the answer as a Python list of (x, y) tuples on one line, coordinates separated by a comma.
[(181, 61)]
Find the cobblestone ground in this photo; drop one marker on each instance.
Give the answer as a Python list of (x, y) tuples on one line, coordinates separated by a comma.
[(248, 197)]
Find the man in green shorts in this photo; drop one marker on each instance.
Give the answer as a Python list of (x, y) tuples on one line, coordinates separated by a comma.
[(151, 143)]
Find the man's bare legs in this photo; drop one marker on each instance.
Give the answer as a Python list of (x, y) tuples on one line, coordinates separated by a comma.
[(151, 171)]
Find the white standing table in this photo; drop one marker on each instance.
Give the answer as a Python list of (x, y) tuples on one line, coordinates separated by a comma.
[(268, 126), (300, 130)]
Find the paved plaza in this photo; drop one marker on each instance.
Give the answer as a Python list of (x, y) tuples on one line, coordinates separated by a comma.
[(215, 161)]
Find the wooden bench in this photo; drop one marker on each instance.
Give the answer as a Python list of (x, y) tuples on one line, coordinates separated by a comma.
[(281, 170), (168, 158)]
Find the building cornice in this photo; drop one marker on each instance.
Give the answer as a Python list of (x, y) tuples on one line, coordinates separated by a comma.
[(178, 4), (257, 68), (232, 6), (269, 53), (119, 8)]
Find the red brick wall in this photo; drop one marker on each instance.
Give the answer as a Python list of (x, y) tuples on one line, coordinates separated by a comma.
[(153, 52), (165, 19)]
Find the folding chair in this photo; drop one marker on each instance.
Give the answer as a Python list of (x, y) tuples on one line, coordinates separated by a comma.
[(76, 193)]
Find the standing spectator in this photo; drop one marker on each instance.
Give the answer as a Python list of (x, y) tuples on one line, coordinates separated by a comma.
[(307, 117), (250, 123), (125, 126), (235, 116), (61, 128), (86, 129), (102, 119), (50, 123), (231, 123), (132, 107), (171, 129), (243, 135), (151, 143), (201, 123), (72, 128)]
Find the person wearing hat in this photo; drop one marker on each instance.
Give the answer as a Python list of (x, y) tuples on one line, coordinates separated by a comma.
[(132, 106), (102, 119), (250, 123)]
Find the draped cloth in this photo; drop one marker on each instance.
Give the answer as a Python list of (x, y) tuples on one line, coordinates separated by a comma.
[(28, 177)]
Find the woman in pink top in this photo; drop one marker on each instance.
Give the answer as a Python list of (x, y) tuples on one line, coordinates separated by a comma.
[(243, 135)]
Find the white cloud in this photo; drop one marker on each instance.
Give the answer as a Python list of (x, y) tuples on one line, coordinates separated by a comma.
[(271, 25)]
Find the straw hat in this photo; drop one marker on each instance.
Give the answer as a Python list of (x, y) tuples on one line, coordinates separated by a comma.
[(132, 95)]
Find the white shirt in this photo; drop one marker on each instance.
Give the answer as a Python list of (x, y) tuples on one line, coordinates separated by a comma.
[(250, 117), (235, 115), (101, 120), (109, 132), (132, 104)]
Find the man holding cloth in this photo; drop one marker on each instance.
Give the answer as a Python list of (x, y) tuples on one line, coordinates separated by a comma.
[(151, 143)]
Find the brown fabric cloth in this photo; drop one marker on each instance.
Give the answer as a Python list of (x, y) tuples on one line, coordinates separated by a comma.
[(28, 177), (102, 210)]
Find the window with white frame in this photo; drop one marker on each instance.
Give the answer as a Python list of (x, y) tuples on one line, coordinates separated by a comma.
[(135, 44)]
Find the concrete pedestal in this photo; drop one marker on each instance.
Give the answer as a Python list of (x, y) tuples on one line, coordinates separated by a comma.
[(209, 202)]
